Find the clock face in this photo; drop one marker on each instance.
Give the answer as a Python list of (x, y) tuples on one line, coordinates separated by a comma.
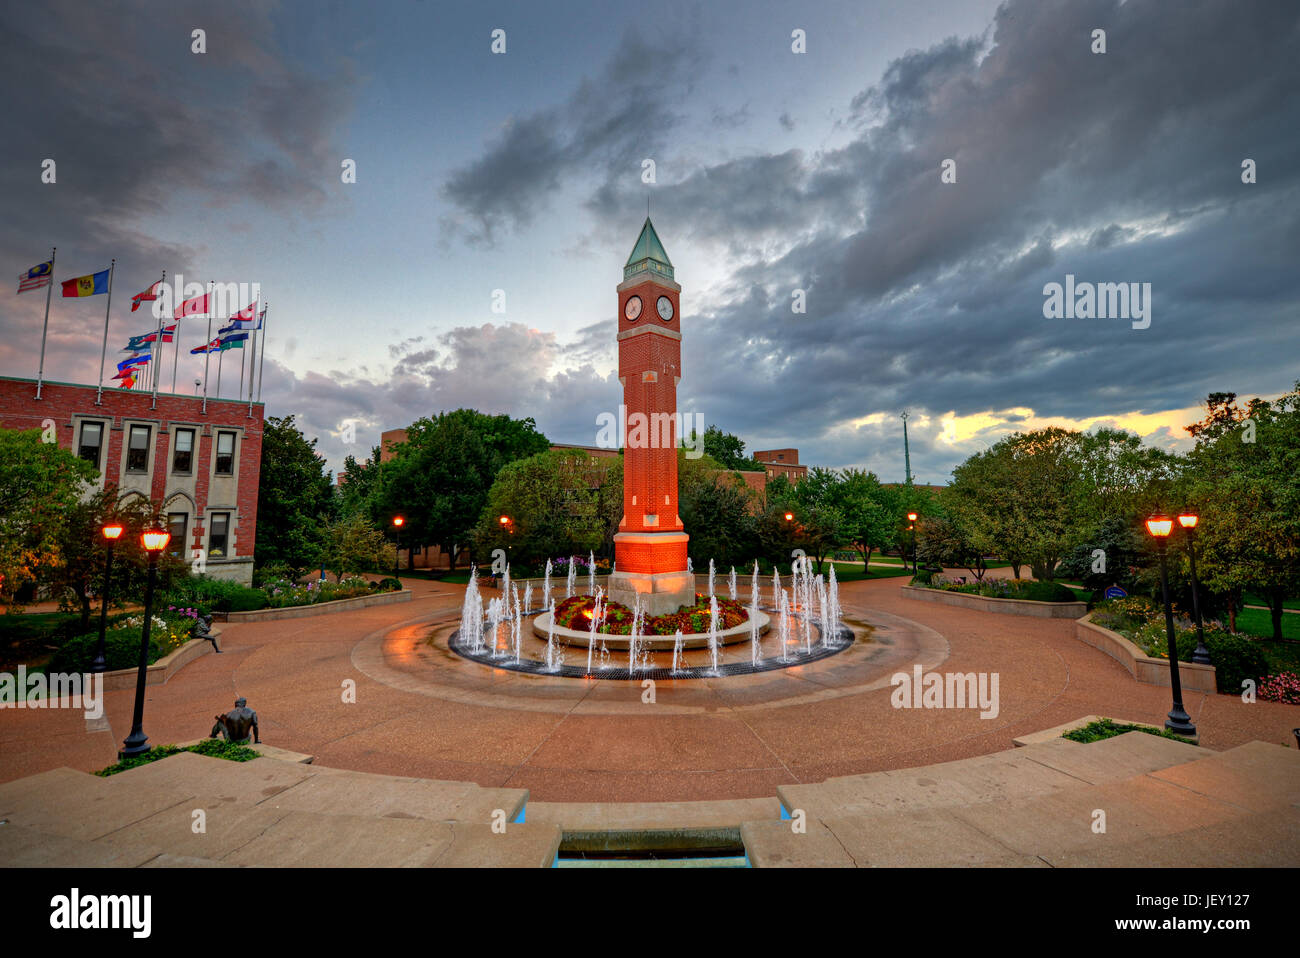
[(632, 308), (665, 307)]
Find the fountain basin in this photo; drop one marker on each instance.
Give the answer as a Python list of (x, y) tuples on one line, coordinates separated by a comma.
[(693, 640)]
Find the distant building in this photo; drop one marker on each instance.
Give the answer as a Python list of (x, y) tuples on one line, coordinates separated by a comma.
[(782, 462), (200, 468)]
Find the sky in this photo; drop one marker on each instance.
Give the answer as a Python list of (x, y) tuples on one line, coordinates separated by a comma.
[(916, 173)]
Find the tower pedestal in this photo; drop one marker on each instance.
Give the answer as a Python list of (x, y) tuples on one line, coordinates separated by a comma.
[(637, 554)]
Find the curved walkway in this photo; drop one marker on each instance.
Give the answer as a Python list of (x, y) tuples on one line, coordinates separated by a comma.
[(360, 690)]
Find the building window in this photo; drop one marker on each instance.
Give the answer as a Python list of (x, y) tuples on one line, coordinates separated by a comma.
[(177, 524), (137, 450), (219, 535), (92, 440), (183, 455), (225, 454)]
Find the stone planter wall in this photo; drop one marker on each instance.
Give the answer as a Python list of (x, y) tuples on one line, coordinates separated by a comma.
[(1144, 668), (320, 608), (984, 603), (163, 669)]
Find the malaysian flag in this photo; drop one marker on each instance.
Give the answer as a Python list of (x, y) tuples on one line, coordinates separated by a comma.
[(38, 277)]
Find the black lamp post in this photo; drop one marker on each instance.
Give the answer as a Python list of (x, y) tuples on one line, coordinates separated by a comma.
[(1188, 519), (1178, 721), (911, 526), (111, 532), (154, 542), (398, 522)]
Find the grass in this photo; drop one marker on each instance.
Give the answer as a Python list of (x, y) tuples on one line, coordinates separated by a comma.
[(1259, 623), (1109, 728), (1251, 598), (212, 747)]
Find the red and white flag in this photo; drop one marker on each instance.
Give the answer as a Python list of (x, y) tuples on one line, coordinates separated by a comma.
[(148, 296), (198, 306)]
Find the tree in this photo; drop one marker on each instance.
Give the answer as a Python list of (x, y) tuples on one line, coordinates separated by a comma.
[(295, 497), (439, 479), (553, 500), (1244, 479), (820, 525), (352, 544), (727, 450), (39, 484), (717, 508), (870, 513)]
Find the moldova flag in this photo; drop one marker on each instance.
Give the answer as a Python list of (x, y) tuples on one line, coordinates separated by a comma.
[(87, 285)]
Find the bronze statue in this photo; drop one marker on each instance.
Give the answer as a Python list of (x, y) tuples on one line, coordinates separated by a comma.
[(236, 723), (202, 629)]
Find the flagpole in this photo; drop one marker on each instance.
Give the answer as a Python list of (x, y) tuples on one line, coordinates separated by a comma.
[(207, 353), (252, 362), (49, 290), (241, 361), (157, 353), (221, 357), (103, 351), (261, 364), (176, 338)]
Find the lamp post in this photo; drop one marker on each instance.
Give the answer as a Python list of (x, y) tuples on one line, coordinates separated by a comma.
[(154, 542), (111, 532), (1178, 721), (398, 522), (911, 525), (1188, 519)]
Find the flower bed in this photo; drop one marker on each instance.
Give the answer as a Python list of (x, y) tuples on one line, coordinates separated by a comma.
[(575, 613), (169, 630), (1028, 590), (1234, 657), (205, 595)]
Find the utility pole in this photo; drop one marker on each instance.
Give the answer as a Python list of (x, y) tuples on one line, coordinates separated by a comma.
[(907, 454)]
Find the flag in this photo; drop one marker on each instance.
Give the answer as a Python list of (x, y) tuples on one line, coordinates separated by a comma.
[(198, 306), (133, 361), (261, 318), (148, 296), (128, 382), (212, 347), (245, 315), (232, 341), (133, 344), (38, 277), (124, 373), (168, 334), (89, 285)]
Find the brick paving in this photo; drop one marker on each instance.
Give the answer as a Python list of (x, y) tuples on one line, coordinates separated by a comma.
[(421, 711)]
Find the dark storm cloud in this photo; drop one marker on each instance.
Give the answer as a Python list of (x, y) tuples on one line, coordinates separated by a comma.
[(611, 122), (138, 126)]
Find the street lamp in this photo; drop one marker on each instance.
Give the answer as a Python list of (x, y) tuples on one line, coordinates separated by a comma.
[(154, 542), (1178, 721), (398, 522), (111, 532), (911, 519), (1188, 519)]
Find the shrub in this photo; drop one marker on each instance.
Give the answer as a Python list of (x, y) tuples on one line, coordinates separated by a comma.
[(209, 595), (1030, 589), (1234, 657), (388, 585), (168, 633), (1109, 728), (212, 747)]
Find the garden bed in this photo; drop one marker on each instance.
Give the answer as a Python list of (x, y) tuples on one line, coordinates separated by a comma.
[(1147, 669), (320, 608)]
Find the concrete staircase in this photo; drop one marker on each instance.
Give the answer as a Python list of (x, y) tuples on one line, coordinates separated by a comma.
[(1164, 804), (263, 812)]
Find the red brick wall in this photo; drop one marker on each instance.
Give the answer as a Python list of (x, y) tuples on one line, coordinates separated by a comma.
[(20, 409)]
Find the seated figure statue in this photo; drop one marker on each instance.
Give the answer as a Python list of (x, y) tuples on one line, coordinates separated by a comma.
[(236, 724), (202, 629)]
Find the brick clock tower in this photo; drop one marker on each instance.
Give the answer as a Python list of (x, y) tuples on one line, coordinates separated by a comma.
[(650, 546)]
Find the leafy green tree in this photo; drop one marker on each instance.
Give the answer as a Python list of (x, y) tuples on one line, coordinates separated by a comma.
[(870, 513), (717, 508), (1244, 480), (553, 501), (295, 497), (351, 544), (439, 479), (727, 450), (39, 484)]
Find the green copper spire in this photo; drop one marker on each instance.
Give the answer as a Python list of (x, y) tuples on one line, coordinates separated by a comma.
[(648, 254)]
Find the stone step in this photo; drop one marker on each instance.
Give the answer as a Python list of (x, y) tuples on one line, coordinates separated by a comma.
[(22, 846), (77, 805), (1112, 759), (642, 816), (985, 778), (193, 774), (1257, 776)]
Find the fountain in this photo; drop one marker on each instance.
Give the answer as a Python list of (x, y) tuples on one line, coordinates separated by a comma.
[(710, 578), (731, 583), (713, 626), (471, 615), (546, 587), (679, 651), (573, 573), (597, 613), (591, 574)]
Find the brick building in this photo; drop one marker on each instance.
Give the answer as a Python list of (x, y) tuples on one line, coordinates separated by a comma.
[(782, 462), (200, 467)]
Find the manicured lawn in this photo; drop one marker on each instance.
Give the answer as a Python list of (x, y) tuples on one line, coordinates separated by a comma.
[(1253, 599), (852, 572), (1258, 622)]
